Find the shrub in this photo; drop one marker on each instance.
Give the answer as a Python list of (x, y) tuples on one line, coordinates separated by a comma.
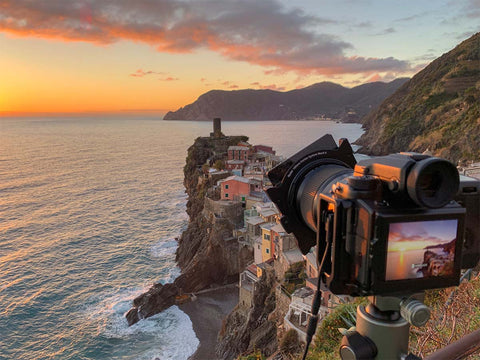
[(435, 100), (290, 343), (327, 340), (256, 355), (205, 168), (219, 165)]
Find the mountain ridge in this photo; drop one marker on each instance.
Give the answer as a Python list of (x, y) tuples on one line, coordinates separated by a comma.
[(437, 110), (324, 99)]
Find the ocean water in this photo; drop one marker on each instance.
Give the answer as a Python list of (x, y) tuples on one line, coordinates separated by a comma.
[(89, 212)]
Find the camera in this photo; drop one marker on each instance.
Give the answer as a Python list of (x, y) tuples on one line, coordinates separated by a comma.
[(388, 225)]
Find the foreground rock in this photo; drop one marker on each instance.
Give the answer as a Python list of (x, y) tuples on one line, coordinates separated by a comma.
[(207, 254), (246, 330), (158, 297)]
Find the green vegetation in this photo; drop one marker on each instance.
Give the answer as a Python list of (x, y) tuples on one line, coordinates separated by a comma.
[(435, 100), (464, 71), (472, 95), (294, 277), (205, 168), (328, 336), (219, 165), (437, 110), (290, 344), (256, 355), (455, 313)]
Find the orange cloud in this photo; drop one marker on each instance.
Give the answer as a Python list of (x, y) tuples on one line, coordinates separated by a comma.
[(375, 77), (142, 73), (258, 32), (170, 78), (268, 87)]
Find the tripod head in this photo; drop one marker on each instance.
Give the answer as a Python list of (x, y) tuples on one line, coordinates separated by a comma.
[(382, 328)]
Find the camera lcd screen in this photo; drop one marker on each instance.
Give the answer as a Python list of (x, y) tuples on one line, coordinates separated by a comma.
[(421, 249)]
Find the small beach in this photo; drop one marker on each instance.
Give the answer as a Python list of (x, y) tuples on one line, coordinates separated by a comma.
[(207, 314)]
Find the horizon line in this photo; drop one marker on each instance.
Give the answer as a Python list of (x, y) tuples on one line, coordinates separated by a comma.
[(81, 113)]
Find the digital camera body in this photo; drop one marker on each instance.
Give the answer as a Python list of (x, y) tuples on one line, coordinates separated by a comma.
[(390, 224)]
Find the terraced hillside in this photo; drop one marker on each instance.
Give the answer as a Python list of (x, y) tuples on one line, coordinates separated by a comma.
[(437, 110)]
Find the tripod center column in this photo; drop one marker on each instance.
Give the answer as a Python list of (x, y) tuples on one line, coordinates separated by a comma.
[(389, 335)]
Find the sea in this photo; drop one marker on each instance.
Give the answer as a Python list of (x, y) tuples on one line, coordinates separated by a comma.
[(90, 208)]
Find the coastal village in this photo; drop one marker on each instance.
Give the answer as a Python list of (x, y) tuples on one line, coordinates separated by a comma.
[(238, 197), (235, 241)]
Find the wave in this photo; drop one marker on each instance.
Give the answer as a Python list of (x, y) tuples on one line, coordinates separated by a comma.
[(168, 335), (164, 249)]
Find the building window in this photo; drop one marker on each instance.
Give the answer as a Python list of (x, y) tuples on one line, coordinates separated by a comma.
[(258, 247), (226, 195), (243, 198), (267, 251), (266, 236), (226, 186)]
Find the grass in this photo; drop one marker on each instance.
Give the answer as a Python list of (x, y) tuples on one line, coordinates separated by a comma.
[(455, 313)]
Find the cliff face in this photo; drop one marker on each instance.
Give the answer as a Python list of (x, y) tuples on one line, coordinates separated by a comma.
[(245, 331), (438, 110), (329, 99), (206, 252)]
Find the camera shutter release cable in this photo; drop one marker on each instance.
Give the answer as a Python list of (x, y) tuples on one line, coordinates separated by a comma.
[(317, 299)]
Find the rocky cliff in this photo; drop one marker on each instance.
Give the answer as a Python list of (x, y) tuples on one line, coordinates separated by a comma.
[(326, 98), (245, 330), (206, 253), (437, 110)]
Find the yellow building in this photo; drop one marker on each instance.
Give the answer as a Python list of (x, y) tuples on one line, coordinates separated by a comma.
[(267, 241)]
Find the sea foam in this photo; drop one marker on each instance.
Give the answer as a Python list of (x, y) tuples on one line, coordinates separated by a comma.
[(168, 335), (164, 249)]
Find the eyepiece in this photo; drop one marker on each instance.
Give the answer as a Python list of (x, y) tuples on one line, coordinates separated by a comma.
[(433, 182)]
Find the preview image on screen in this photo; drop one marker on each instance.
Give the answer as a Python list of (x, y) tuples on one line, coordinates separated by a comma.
[(421, 249)]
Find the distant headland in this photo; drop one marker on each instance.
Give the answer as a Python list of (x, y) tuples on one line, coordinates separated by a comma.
[(321, 101)]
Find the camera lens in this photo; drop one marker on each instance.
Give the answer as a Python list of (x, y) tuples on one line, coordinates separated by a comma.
[(432, 182), (318, 180)]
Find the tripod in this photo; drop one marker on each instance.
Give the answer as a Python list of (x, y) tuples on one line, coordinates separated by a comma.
[(382, 328)]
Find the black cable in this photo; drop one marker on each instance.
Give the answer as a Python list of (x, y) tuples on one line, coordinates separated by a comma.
[(313, 320)]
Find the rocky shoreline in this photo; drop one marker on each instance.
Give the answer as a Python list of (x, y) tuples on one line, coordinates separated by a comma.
[(206, 314), (211, 254), (204, 256)]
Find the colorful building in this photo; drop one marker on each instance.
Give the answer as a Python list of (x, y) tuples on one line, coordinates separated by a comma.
[(238, 153), (282, 241), (253, 223), (257, 250), (268, 211), (234, 188), (267, 241), (236, 166), (263, 148), (247, 286), (300, 310)]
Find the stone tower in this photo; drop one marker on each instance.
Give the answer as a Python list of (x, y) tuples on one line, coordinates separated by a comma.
[(217, 127)]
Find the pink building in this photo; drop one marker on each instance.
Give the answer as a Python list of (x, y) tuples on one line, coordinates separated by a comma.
[(264, 148), (238, 153), (234, 188)]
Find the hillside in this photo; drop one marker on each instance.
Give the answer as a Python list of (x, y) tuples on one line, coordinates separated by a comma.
[(437, 110), (322, 99)]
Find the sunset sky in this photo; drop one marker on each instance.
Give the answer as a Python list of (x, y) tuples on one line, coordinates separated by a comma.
[(147, 55), (418, 235)]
